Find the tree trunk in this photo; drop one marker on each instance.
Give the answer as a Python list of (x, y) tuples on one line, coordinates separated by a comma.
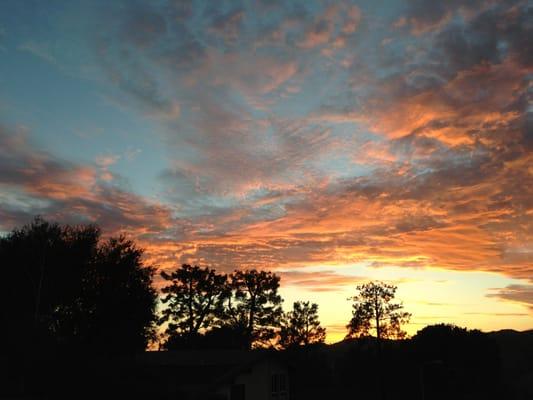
[(191, 317), (381, 392), (251, 317)]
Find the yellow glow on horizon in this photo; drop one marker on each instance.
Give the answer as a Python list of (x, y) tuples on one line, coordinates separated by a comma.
[(431, 295)]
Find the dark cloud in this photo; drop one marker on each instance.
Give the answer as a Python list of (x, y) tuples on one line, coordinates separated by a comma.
[(489, 37), (418, 223), (463, 47), (522, 294)]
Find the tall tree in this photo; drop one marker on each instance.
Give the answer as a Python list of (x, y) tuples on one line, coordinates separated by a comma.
[(118, 300), (42, 266), (62, 286), (301, 326), (254, 308), (374, 311), (194, 298)]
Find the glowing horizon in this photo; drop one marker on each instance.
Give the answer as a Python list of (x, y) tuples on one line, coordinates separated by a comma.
[(330, 142)]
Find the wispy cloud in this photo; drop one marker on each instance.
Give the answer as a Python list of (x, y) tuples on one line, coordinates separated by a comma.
[(44, 184), (521, 294)]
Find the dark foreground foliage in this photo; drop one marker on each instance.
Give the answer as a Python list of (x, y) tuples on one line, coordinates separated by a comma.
[(66, 290), (440, 362)]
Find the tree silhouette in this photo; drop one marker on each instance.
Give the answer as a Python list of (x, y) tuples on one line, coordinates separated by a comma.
[(373, 310), (118, 300), (254, 309), (61, 287), (42, 266), (194, 298), (301, 326), (457, 362)]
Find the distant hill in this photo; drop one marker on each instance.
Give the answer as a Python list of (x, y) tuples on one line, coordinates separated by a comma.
[(515, 358)]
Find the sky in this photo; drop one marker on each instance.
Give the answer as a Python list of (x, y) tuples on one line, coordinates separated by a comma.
[(330, 142)]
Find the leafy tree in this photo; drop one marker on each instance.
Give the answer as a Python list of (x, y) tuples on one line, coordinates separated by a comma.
[(457, 362), (118, 300), (62, 287), (301, 326), (42, 266), (373, 310), (254, 309), (194, 298)]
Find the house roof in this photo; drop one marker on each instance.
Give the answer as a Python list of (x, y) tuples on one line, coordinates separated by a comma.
[(190, 358), (210, 368)]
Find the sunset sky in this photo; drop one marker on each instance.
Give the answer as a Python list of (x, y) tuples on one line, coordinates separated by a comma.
[(330, 142)]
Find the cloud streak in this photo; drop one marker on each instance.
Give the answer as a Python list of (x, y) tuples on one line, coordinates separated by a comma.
[(521, 294)]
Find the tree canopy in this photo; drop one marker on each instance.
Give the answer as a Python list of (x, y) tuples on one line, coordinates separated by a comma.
[(301, 326), (118, 299), (206, 309), (194, 301), (373, 311), (65, 286), (254, 307)]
